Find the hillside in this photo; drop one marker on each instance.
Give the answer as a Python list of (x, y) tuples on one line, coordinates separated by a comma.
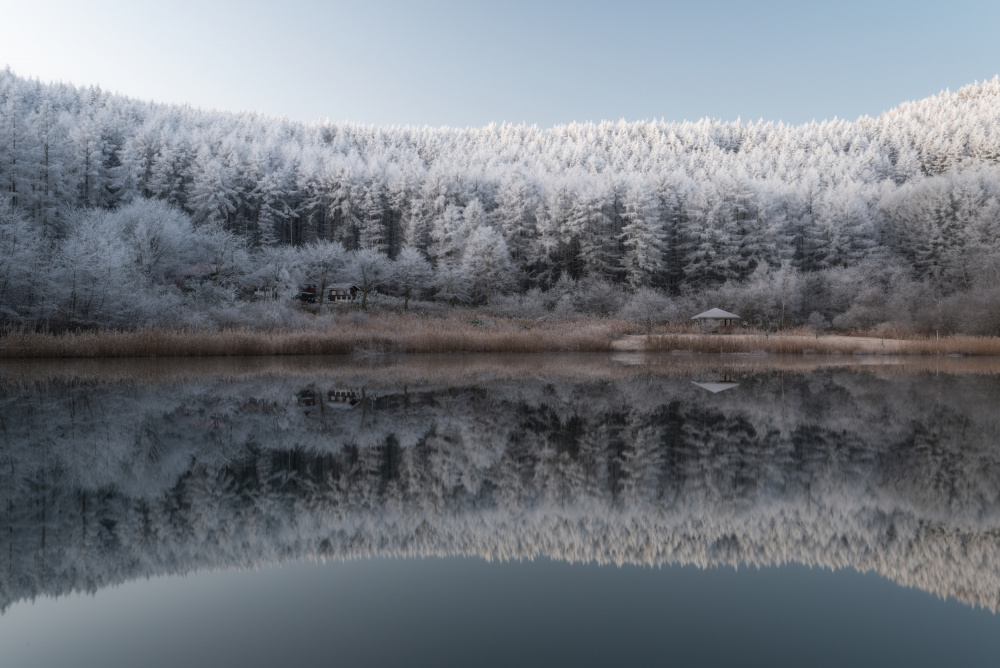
[(906, 204)]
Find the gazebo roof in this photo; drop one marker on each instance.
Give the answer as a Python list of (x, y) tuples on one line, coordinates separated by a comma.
[(716, 314)]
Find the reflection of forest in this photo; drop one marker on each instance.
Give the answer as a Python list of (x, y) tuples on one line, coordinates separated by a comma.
[(107, 481)]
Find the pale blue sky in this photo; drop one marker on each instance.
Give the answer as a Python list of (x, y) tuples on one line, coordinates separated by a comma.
[(459, 63)]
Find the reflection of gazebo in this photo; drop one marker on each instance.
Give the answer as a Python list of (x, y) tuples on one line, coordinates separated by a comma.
[(715, 388), (718, 384), (717, 319)]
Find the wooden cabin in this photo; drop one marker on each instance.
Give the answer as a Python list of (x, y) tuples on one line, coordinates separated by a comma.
[(342, 292), (307, 293)]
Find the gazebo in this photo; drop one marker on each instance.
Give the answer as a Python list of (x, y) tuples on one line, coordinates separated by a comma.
[(718, 318)]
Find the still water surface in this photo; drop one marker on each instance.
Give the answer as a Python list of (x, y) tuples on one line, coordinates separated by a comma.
[(544, 510)]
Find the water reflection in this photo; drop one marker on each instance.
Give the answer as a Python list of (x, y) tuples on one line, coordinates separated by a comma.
[(720, 383), (108, 477)]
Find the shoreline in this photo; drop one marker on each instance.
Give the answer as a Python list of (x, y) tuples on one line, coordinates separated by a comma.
[(471, 368), (807, 344), (393, 333)]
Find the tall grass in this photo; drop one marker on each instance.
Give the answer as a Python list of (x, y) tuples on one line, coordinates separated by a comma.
[(461, 332), (386, 333)]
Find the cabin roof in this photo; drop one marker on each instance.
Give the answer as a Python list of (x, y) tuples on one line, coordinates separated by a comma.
[(716, 314), (342, 286)]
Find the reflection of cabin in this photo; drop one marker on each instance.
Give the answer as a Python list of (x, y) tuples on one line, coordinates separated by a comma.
[(342, 292), (306, 397), (343, 398), (717, 320)]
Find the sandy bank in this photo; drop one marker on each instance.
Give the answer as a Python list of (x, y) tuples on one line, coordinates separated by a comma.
[(806, 344)]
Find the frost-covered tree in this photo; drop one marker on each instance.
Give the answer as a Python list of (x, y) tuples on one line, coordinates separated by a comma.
[(53, 183), (212, 195), (169, 171), (159, 239), (412, 274), (18, 150), (268, 197), (649, 307), (447, 234), (372, 233), (324, 263), (370, 270), (452, 284), (514, 216), (486, 263), (90, 150), (642, 238), (25, 278)]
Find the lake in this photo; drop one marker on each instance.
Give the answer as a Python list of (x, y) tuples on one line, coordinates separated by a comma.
[(500, 510)]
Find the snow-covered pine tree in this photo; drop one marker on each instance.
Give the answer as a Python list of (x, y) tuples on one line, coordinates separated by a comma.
[(53, 187), (447, 237), (641, 236), (486, 264), (373, 216), (412, 274), (18, 151), (212, 197)]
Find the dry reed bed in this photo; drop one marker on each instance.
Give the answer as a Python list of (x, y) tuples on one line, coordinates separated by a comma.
[(391, 333), (825, 345), (465, 333)]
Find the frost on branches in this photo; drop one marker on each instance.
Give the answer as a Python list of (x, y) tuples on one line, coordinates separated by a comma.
[(908, 201)]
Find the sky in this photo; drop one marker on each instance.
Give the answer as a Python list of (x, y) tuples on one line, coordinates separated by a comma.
[(460, 63)]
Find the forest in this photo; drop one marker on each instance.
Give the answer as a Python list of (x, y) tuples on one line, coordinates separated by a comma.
[(120, 214), (109, 478)]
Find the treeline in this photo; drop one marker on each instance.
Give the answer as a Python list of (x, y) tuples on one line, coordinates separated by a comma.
[(680, 208), (146, 264)]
